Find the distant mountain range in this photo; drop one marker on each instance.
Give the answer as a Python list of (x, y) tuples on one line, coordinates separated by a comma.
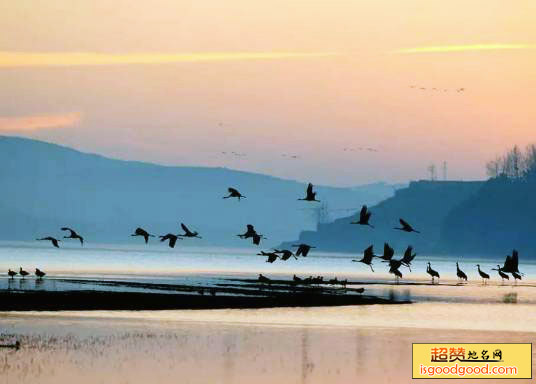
[(46, 186)]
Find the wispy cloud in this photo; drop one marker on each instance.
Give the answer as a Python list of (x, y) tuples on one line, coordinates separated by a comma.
[(37, 122), (464, 48), (61, 59)]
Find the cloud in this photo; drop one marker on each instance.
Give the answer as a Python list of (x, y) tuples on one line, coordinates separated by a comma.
[(465, 48), (61, 59), (35, 123)]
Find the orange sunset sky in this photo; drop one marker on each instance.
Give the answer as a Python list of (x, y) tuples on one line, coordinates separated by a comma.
[(180, 82)]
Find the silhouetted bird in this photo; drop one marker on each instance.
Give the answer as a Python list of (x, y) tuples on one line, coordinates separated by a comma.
[(310, 195), (251, 233), (286, 254), (23, 273), (461, 275), (511, 264), (142, 232), (234, 193), (517, 276), (264, 279), (303, 249), (40, 274), (73, 235), (368, 254), (388, 252), (364, 217), (188, 233), (432, 273), (172, 239), (396, 272), (501, 273), (272, 256), (408, 257), (51, 239), (482, 274), (11, 273), (359, 290), (296, 279), (406, 227)]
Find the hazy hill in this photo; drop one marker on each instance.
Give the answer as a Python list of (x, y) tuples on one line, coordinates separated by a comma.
[(45, 186), (501, 216), (424, 204)]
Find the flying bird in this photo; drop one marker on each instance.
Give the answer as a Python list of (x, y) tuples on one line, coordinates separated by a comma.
[(40, 274), (408, 257), (482, 274), (405, 227), (142, 232), (51, 239), (172, 239), (461, 275), (310, 195), (364, 217), (432, 273), (251, 233), (234, 193), (388, 252), (396, 272), (303, 249), (188, 233), (272, 256), (73, 235), (285, 254), (368, 254)]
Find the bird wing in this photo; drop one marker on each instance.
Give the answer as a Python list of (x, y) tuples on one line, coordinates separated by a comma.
[(256, 239), (185, 229), (140, 232), (68, 229), (363, 213), (515, 261), (233, 191), (404, 224), (172, 241), (309, 189)]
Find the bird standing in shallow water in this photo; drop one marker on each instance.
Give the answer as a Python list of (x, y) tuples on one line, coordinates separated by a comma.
[(310, 195), (51, 239), (501, 273), (23, 273), (364, 217), (461, 275), (405, 226), (482, 274), (234, 193), (432, 273), (40, 274), (73, 235), (11, 273), (142, 232), (368, 254)]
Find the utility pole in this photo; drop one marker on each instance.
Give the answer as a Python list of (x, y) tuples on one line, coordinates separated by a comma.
[(432, 170)]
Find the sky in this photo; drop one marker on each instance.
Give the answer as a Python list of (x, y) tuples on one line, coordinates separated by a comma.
[(321, 91)]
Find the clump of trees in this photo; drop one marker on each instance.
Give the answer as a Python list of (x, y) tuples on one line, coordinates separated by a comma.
[(514, 164)]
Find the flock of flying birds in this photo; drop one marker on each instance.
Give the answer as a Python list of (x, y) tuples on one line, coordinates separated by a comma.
[(437, 89), (511, 264)]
